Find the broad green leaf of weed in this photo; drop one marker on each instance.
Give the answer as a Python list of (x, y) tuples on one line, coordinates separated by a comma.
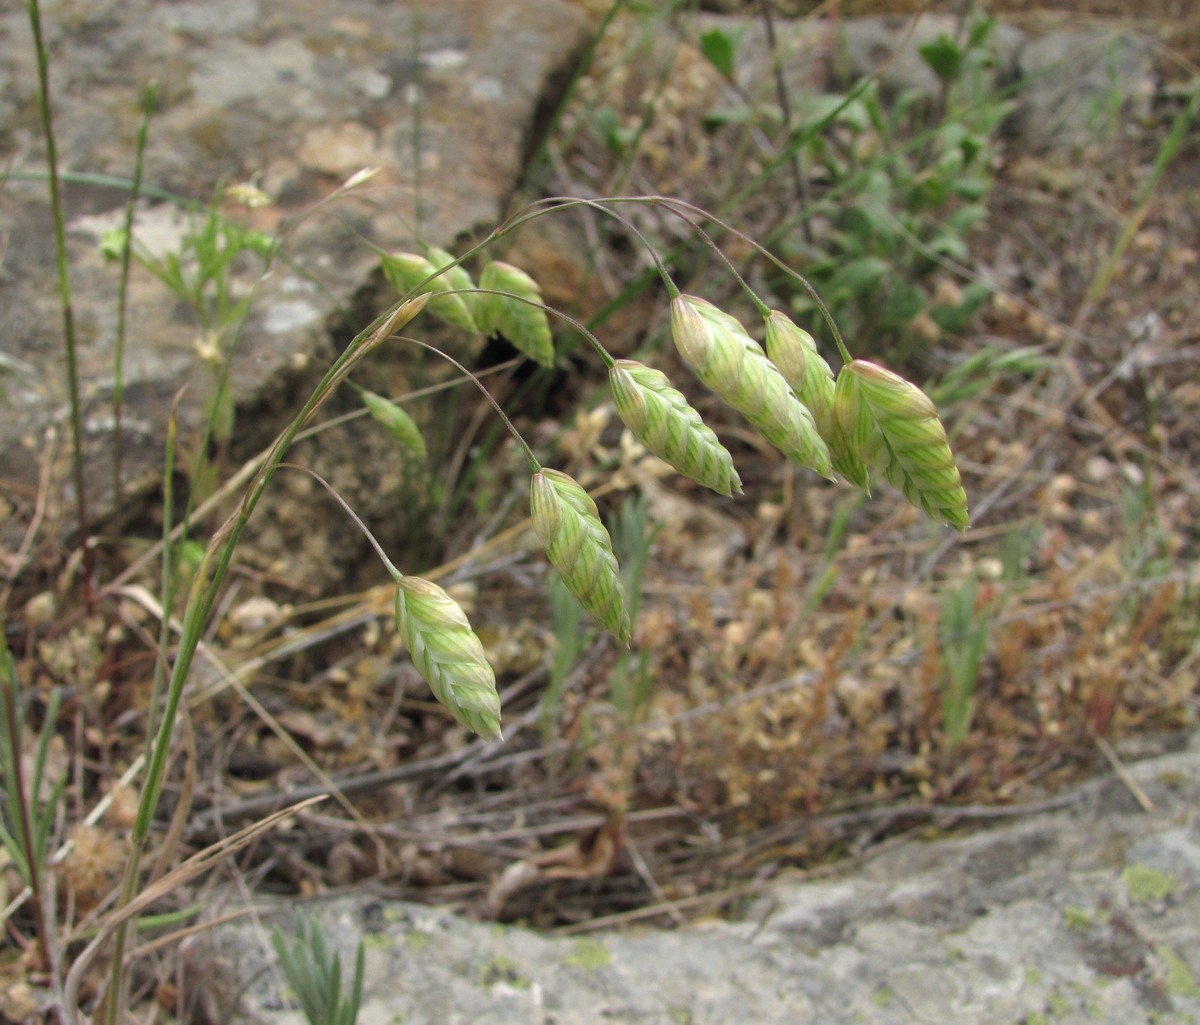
[(718, 48)]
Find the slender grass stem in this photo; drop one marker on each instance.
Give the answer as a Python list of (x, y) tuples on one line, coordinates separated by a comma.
[(534, 462), (149, 100), (64, 290), (20, 798), (210, 575)]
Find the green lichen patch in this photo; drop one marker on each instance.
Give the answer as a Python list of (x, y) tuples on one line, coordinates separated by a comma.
[(1148, 884), (589, 953), (1180, 979)]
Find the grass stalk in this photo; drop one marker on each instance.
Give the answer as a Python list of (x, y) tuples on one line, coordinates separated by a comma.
[(1166, 152), (149, 99), (64, 290), (206, 586)]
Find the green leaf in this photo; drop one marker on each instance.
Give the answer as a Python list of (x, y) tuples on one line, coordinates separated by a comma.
[(718, 47), (856, 278), (943, 57)]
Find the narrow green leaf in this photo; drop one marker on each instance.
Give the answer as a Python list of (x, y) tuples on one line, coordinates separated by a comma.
[(717, 47)]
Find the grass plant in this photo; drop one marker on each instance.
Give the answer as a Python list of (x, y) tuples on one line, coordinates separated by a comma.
[(730, 697), (315, 975)]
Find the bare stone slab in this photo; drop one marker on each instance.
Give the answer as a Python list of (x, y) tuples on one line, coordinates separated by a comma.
[(1086, 913), (444, 97)]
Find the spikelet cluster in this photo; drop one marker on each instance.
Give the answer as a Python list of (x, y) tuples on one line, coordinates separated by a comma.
[(661, 419), (448, 654), (913, 452), (735, 367), (567, 523), (526, 327)]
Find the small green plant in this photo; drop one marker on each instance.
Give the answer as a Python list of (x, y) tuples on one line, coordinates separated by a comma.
[(200, 273), (631, 682), (965, 628), (314, 974), (31, 804), (902, 187), (571, 640)]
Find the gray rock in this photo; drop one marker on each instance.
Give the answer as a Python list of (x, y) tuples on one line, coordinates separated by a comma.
[(295, 95), (1088, 913), (1081, 83)]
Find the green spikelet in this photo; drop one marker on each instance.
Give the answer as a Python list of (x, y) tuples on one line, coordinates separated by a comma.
[(567, 523), (915, 456), (794, 351), (448, 654), (854, 436), (396, 422), (735, 367), (526, 327), (661, 419), (404, 271), (455, 277)]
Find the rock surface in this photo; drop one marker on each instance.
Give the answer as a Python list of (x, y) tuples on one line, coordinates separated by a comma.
[(294, 95), (1089, 913)]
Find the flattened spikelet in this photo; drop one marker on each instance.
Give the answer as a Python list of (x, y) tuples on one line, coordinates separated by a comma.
[(854, 435), (794, 351), (661, 419), (448, 654), (396, 422), (526, 327), (735, 367), (455, 277), (567, 523), (404, 271), (915, 455)]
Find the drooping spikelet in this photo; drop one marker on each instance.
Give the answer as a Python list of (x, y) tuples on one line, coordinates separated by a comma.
[(396, 422), (854, 437), (455, 277), (405, 271), (448, 654), (661, 419), (567, 523), (735, 367), (915, 455), (526, 327), (794, 351)]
